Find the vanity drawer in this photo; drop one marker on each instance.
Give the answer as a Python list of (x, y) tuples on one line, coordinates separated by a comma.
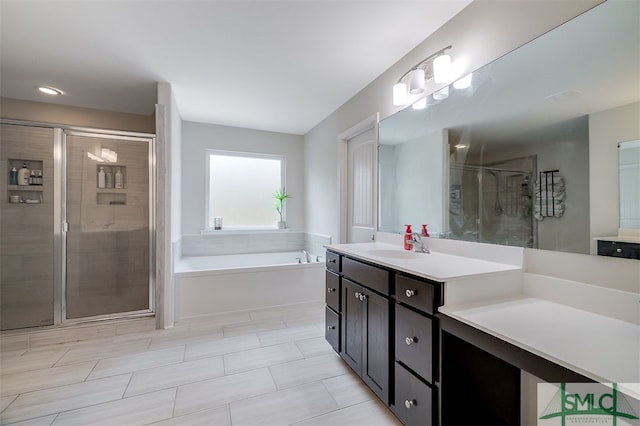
[(332, 284), (332, 329), (619, 249), (333, 262), (414, 341), (414, 399), (419, 294), (366, 275)]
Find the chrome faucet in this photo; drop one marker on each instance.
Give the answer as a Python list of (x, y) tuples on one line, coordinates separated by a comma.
[(418, 244), (306, 256)]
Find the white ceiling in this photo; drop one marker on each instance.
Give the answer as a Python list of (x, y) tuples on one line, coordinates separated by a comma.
[(270, 65)]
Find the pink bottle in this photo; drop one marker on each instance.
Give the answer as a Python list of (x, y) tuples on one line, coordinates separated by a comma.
[(425, 232), (408, 245)]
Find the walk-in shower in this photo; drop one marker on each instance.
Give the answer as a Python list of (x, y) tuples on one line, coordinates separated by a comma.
[(491, 205), (76, 245)]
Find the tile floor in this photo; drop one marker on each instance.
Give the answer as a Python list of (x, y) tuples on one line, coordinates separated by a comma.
[(265, 367)]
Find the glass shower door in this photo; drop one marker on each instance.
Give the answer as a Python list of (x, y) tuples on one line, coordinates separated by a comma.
[(108, 227)]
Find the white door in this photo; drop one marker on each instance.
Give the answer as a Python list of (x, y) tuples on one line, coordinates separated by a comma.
[(362, 188)]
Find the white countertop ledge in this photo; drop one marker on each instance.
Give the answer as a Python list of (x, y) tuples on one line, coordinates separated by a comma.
[(601, 348), (435, 266)]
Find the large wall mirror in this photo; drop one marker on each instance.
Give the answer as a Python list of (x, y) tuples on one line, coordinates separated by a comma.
[(528, 154)]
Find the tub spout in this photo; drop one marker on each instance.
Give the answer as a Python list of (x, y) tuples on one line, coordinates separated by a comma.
[(306, 256)]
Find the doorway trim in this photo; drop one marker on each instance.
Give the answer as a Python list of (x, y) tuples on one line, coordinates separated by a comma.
[(371, 122)]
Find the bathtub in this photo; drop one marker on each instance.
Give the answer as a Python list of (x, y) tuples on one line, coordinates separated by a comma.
[(208, 285)]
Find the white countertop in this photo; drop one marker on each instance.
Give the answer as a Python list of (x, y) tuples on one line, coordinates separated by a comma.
[(620, 239), (604, 349), (435, 266)]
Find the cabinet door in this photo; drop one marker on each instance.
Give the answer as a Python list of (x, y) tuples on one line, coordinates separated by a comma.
[(332, 330), (414, 399), (375, 368), (351, 325), (332, 285), (414, 341)]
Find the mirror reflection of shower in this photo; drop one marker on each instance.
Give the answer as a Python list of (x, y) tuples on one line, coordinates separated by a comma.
[(491, 205)]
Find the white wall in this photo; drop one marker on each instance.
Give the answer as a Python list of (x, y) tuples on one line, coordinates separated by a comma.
[(482, 32), (168, 202), (606, 130), (198, 137)]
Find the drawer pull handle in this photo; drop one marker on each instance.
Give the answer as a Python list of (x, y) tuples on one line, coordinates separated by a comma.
[(410, 340), (329, 290), (363, 297), (331, 260), (410, 292), (358, 295), (331, 327), (409, 403)]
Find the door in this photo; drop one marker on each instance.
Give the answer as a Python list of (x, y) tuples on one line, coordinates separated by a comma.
[(375, 366), (107, 215), (361, 187), (352, 329)]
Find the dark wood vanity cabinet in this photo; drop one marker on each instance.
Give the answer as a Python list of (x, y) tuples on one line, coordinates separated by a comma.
[(365, 323), (387, 333), (416, 350), (332, 299)]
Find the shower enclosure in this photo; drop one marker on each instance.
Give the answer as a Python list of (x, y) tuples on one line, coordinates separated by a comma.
[(491, 205), (76, 242)]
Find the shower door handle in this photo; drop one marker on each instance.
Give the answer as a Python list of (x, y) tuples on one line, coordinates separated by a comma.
[(65, 226)]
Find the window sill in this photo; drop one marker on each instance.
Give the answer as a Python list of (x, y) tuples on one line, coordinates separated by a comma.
[(244, 231)]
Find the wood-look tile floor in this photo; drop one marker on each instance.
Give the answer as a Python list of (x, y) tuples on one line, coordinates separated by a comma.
[(264, 367)]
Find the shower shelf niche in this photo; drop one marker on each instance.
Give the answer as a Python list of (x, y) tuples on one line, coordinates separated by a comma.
[(28, 194), (112, 198)]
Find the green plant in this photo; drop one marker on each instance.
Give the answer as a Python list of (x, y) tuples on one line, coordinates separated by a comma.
[(280, 198)]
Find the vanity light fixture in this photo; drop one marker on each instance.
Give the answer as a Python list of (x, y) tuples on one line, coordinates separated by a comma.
[(48, 90), (436, 66)]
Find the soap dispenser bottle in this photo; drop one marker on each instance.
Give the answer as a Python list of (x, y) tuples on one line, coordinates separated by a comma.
[(425, 231), (23, 175), (101, 178), (408, 245)]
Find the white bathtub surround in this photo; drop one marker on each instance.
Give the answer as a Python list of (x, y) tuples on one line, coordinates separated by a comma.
[(230, 283), (236, 242)]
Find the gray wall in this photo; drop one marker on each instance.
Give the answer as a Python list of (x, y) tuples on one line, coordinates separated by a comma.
[(198, 137)]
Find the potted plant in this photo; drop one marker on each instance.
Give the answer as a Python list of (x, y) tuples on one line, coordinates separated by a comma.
[(280, 197)]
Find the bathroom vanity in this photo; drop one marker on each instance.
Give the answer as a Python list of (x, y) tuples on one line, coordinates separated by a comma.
[(444, 339)]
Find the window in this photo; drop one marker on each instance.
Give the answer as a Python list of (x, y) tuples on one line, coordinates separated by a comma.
[(240, 189)]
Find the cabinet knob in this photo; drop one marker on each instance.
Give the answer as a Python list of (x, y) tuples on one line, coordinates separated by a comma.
[(618, 250), (410, 292), (409, 403), (331, 260), (331, 327), (358, 295), (410, 340), (363, 297), (329, 290)]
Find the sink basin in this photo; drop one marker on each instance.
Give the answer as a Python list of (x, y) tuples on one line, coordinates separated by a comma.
[(396, 254)]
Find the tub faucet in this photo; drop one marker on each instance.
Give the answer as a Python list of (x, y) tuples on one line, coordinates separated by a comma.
[(306, 256), (418, 244)]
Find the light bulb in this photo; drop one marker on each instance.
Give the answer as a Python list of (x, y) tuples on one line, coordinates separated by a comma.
[(416, 81), (400, 95), (442, 69)]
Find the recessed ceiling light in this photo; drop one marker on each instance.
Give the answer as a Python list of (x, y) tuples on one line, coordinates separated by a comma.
[(48, 90)]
